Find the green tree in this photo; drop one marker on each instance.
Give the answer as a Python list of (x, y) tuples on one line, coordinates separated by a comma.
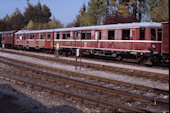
[(81, 18), (46, 14), (37, 13), (29, 13), (159, 10), (30, 25), (4, 24), (16, 20), (55, 24), (95, 11)]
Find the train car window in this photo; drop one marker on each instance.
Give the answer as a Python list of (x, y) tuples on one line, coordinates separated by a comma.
[(57, 36), (37, 36), (32, 36), (24, 37), (88, 35), (68, 35), (49, 36), (111, 34), (159, 34), (153, 34), (42, 36), (125, 34), (83, 35), (64, 36), (100, 36), (142, 33)]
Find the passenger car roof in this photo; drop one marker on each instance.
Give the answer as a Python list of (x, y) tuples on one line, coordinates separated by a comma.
[(97, 27)]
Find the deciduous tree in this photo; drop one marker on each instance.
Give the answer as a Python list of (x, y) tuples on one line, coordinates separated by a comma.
[(159, 10)]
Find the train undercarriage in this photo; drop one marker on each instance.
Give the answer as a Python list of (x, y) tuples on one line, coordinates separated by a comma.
[(140, 58)]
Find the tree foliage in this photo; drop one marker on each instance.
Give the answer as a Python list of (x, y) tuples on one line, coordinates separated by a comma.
[(121, 11), (37, 13), (81, 19), (34, 17), (16, 20), (159, 10), (50, 25), (97, 12), (4, 24)]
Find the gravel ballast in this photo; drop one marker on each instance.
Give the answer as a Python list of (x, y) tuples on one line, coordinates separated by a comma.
[(142, 68), (114, 76)]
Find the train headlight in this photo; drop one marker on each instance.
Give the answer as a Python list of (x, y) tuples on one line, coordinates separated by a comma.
[(153, 46)]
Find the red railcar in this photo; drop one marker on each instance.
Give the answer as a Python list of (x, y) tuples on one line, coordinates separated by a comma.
[(140, 40), (8, 38), (39, 39), (165, 42), (133, 38), (165, 38)]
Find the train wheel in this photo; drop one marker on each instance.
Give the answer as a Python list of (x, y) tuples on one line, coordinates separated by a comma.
[(69, 53), (139, 59), (150, 61), (60, 52), (119, 58)]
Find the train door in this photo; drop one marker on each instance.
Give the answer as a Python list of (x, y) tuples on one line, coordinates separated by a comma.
[(75, 37), (23, 40), (49, 40), (97, 38), (37, 37)]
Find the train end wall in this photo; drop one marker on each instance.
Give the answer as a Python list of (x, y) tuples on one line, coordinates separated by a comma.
[(165, 38)]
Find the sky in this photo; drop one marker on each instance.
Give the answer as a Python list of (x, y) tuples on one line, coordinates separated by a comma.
[(63, 10)]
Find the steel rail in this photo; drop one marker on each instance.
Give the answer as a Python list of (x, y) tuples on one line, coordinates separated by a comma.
[(97, 101), (81, 84), (93, 86), (87, 76), (106, 67)]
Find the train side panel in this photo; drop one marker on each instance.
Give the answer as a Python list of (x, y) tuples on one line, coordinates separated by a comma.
[(165, 38), (0, 39), (8, 38)]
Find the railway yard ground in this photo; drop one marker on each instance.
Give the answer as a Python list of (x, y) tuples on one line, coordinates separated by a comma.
[(39, 82)]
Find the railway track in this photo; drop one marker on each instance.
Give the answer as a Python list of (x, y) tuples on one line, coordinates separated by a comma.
[(120, 70), (116, 107), (81, 84)]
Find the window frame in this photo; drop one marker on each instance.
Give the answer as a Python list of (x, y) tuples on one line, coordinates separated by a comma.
[(57, 35), (88, 35), (42, 36), (124, 36), (113, 34), (153, 37), (160, 34), (142, 38), (49, 36)]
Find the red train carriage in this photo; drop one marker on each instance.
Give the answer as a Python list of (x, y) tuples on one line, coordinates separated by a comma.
[(37, 39), (0, 38), (8, 38), (165, 42), (142, 40)]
